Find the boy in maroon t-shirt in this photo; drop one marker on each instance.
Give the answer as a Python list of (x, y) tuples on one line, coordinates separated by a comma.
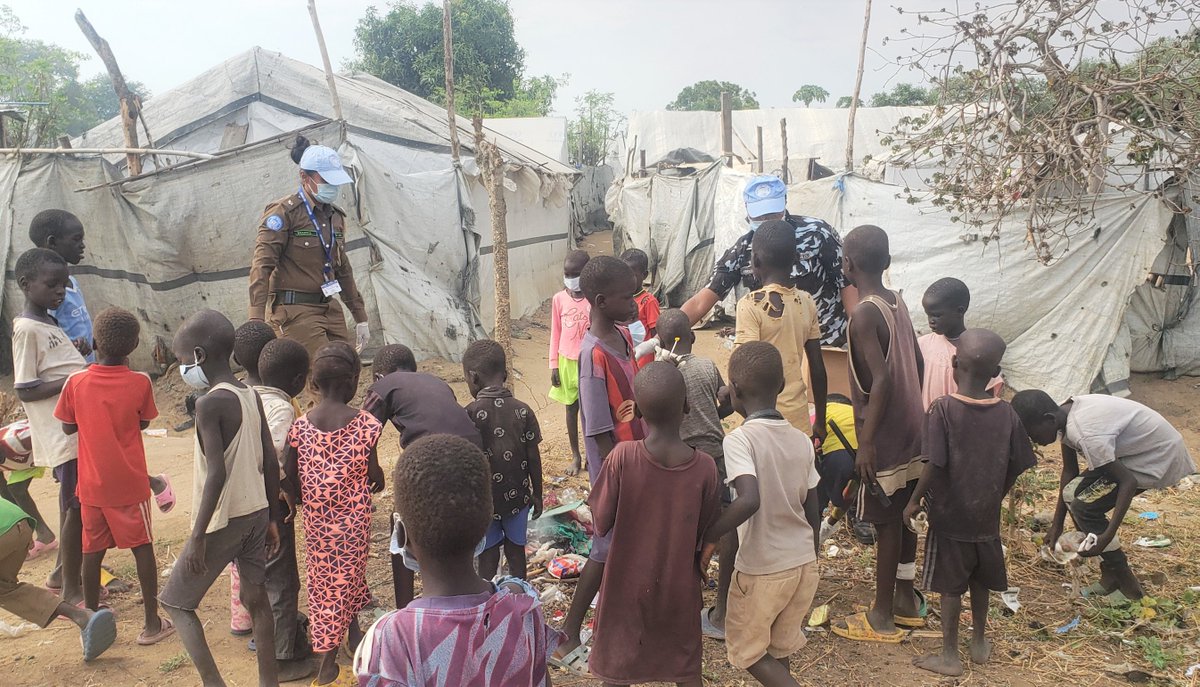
[(109, 405)]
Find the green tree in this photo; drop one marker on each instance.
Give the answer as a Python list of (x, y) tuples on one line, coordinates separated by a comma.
[(844, 102), (903, 95), (595, 129), (706, 95), (809, 93)]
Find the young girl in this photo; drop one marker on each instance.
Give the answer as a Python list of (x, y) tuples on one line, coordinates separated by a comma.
[(331, 456), (569, 321)]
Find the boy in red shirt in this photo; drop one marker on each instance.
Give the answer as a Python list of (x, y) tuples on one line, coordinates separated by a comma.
[(109, 405), (645, 327)]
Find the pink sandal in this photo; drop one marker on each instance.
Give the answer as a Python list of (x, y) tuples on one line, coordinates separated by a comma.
[(39, 548), (165, 500)]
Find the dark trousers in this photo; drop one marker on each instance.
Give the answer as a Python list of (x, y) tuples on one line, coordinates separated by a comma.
[(1090, 497), (836, 470), (283, 591)]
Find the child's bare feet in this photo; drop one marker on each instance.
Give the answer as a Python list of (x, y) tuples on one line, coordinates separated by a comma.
[(571, 644), (940, 664), (576, 466), (981, 650)]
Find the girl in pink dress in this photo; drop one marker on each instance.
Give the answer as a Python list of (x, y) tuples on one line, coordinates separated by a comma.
[(331, 457)]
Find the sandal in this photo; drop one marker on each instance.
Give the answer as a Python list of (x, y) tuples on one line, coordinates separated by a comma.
[(99, 634), (165, 499), (922, 611), (857, 628), (39, 548), (166, 630), (576, 662), (707, 628), (345, 678)]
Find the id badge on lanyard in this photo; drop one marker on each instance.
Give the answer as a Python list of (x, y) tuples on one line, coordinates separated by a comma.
[(331, 287)]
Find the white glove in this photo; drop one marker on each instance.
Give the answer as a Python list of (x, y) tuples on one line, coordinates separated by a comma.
[(645, 348), (362, 334)]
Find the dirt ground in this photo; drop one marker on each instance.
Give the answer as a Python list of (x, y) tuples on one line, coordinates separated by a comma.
[(1106, 645)]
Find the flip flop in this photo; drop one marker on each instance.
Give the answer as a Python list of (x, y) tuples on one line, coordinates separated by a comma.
[(576, 662), (345, 678), (39, 548), (99, 634), (167, 630), (857, 628), (165, 500), (707, 628), (917, 622)]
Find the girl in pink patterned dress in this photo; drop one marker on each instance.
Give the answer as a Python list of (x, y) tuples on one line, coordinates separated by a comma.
[(331, 456)]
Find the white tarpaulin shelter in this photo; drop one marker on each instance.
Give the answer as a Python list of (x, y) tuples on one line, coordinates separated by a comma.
[(547, 135), (180, 238), (1060, 321)]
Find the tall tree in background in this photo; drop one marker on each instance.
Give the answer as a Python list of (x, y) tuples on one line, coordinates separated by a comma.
[(706, 95), (810, 93), (904, 95), (595, 130)]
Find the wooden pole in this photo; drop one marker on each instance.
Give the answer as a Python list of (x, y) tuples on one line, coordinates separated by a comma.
[(64, 141), (131, 104), (862, 56), (491, 168), (642, 153), (758, 135), (329, 79), (108, 151), (783, 140), (448, 59), (727, 128)]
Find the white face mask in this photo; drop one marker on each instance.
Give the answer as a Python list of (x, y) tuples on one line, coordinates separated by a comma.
[(637, 330), (399, 549), (327, 193), (193, 375), (572, 283)]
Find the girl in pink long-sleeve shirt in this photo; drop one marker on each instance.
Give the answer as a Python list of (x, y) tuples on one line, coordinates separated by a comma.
[(569, 321)]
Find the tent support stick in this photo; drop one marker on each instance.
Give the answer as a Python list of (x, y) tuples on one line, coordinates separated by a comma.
[(758, 134), (862, 56), (491, 168), (727, 128), (448, 60), (106, 151), (131, 104), (329, 78), (783, 140)]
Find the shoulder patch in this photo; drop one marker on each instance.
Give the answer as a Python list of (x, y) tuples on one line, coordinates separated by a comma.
[(274, 223)]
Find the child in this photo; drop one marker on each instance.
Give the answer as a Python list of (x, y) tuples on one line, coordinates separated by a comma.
[(702, 430), (332, 458), (235, 495), (976, 449), (945, 303), (786, 318), (463, 630), (43, 358), (510, 435), (108, 405), (248, 343), (569, 312), (1127, 448), (608, 411), (646, 325), (655, 498), (97, 629), (835, 464), (772, 468), (885, 386)]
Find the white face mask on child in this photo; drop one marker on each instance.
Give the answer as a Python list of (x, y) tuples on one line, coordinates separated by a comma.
[(572, 283), (193, 375), (399, 549), (637, 330)]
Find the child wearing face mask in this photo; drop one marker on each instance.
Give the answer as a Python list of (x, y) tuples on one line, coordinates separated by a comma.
[(570, 315), (645, 326)]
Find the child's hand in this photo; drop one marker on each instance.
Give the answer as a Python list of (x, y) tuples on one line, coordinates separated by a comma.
[(193, 557), (910, 514), (272, 539), (554, 379), (375, 478), (535, 508), (82, 345), (864, 463), (706, 554), (290, 501), (818, 437)]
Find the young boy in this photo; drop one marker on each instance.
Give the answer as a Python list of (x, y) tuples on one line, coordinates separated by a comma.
[(976, 449), (885, 386), (248, 343), (510, 435), (43, 358), (655, 498), (646, 325), (945, 304), (608, 410), (463, 630), (1127, 448), (772, 467), (108, 405), (235, 495), (569, 312), (786, 318)]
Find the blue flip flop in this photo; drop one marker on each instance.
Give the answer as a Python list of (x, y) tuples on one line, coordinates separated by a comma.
[(99, 634)]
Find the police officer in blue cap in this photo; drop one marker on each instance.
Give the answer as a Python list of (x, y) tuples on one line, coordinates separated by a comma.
[(817, 268)]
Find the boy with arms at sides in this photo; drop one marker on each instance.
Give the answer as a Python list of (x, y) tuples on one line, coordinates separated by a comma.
[(108, 405), (945, 304), (977, 448), (772, 467), (464, 630), (235, 495), (1127, 448), (608, 410), (786, 318), (885, 387), (510, 435), (645, 325), (648, 614), (43, 358), (568, 323)]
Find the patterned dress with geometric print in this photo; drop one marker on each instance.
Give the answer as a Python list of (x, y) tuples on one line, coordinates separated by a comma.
[(336, 501)]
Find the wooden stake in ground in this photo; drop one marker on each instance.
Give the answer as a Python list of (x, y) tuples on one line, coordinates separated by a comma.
[(727, 128), (783, 139), (332, 83), (448, 59), (862, 56), (131, 104), (491, 168)]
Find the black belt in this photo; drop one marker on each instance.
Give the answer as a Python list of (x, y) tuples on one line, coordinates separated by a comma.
[(299, 298)]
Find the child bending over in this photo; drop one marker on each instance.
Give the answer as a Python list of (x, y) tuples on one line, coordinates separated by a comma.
[(976, 449), (510, 435), (772, 467), (645, 326), (464, 630), (945, 303), (1127, 448), (569, 319)]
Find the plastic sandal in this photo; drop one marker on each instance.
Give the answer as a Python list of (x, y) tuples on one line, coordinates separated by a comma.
[(922, 611), (99, 634), (707, 628), (39, 548), (165, 500), (167, 630), (345, 678), (857, 628), (576, 662)]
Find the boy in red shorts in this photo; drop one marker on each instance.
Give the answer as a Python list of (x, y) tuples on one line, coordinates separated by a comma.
[(109, 405)]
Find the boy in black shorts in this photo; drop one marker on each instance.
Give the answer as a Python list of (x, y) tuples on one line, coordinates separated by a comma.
[(977, 447)]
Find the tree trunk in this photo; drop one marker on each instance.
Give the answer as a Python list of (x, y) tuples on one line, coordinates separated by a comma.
[(491, 168), (448, 60), (131, 104)]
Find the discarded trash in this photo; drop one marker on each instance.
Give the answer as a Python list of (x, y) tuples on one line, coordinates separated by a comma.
[(1159, 542), (1068, 627), (832, 551), (1009, 597), (553, 595), (566, 567), (828, 529), (1192, 670), (819, 617), (1187, 483), (14, 631), (157, 432), (1148, 515)]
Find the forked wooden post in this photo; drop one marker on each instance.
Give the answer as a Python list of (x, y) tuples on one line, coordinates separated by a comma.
[(131, 104)]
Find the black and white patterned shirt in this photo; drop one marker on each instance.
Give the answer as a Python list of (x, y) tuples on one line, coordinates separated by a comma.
[(817, 270), (510, 432)]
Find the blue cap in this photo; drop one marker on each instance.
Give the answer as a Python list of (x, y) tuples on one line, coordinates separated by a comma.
[(324, 161), (765, 195)]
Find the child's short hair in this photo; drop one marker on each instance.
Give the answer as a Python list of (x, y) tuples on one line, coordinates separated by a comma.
[(1032, 405), (756, 367), (660, 392), (601, 275), (672, 324), (443, 493), (578, 255), (774, 245), (49, 223), (950, 291), (393, 357), (249, 340), (32, 261), (837, 398), (485, 357), (868, 247), (281, 360), (116, 332), (335, 361), (637, 260)]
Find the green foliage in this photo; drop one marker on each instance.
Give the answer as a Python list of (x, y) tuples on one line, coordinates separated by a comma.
[(174, 663), (1154, 653), (844, 102), (706, 95), (596, 127), (810, 93), (903, 95)]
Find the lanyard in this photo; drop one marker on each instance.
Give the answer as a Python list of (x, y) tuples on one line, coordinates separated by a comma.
[(321, 237)]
